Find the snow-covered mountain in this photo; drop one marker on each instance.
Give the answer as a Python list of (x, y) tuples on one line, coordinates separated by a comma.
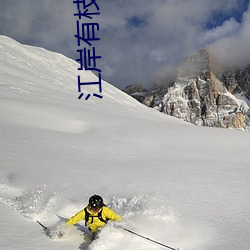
[(182, 185), (237, 81), (201, 95)]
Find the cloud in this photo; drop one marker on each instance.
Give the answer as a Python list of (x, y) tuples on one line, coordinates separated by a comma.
[(170, 31), (140, 41), (233, 49), (47, 23), (228, 28)]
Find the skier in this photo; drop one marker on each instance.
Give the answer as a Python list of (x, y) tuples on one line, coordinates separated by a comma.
[(95, 214)]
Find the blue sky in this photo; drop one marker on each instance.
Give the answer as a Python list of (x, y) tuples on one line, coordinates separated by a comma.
[(136, 21), (218, 17), (141, 41)]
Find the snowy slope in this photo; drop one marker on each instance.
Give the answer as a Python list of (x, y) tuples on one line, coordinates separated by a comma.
[(179, 184)]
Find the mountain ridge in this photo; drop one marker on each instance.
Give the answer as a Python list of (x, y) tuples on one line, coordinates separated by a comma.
[(200, 95)]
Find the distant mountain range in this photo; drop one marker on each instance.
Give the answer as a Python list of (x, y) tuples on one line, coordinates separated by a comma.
[(202, 94)]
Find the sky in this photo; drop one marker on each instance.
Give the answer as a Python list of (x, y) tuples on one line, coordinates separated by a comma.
[(141, 41)]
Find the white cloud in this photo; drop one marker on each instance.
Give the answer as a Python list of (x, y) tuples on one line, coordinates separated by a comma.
[(228, 28), (233, 50), (170, 31)]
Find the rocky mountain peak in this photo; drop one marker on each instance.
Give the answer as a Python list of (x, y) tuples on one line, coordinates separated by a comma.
[(202, 97), (196, 64)]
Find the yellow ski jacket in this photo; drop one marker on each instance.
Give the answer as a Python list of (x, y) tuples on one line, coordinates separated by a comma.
[(94, 223)]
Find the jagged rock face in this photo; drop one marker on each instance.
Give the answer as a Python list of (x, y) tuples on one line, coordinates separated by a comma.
[(133, 88), (137, 91), (199, 97), (237, 81), (205, 102)]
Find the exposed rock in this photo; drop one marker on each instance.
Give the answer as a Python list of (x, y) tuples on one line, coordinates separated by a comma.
[(137, 91), (133, 88), (237, 81), (201, 97)]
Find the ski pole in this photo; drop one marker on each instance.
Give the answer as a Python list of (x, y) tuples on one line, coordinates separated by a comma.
[(45, 228), (146, 238)]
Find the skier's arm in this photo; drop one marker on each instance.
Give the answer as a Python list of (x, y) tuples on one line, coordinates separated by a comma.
[(110, 214), (77, 217)]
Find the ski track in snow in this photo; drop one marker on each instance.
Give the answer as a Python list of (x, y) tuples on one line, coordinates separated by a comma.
[(145, 214)]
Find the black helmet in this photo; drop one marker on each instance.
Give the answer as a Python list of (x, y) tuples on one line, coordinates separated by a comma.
[(96, 202)]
